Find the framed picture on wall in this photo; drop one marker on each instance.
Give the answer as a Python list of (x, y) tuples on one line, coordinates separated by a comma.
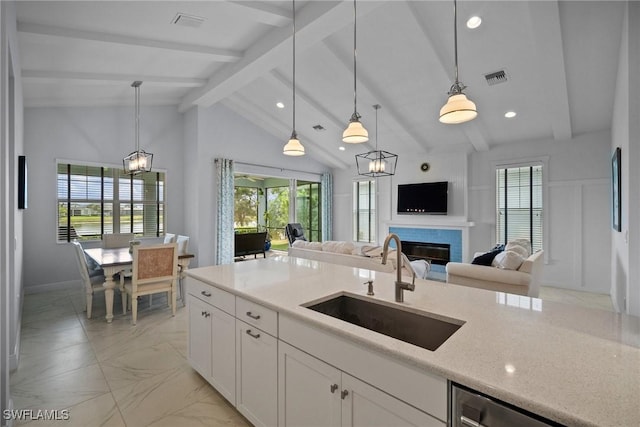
[(616, 191)]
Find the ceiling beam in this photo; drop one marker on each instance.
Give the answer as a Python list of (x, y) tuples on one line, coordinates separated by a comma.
[(264, 12), (75, 101), (471, 129), (215, 54), (266, 121), (314, 22), (53, 76), (550, 56)]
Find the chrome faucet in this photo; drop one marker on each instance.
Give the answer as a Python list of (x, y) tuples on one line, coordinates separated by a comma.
[(400, 285)]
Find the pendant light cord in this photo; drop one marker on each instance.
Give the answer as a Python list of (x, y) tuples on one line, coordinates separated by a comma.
[(355, 92), (377, 107), (294, 66), (136, 85), (455, 36)]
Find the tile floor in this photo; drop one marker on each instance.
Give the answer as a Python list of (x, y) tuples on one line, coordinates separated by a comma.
[(122, 375), (111, 375)]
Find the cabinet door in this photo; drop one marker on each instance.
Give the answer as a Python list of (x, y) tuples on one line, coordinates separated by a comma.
[(223, 353), (200, 337), (256, 375), (308, 390), (366, 406)]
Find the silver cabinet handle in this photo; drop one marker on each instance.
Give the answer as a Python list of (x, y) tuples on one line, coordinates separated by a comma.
[(206, 294), (333, 388), (344, 394), (253, 316), (256, 336)]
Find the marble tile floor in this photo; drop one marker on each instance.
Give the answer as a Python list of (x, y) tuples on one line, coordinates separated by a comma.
[(122, 375), (111, 374)]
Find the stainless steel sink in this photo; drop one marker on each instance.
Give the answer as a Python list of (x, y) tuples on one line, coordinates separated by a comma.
[(422, 329)]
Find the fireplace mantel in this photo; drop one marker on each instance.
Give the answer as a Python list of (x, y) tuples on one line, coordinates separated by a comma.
[(431, 222)]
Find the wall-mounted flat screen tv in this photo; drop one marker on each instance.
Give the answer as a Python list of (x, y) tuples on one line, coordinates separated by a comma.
[(427, 198)]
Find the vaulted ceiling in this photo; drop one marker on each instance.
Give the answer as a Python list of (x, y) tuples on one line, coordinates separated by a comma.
[(560, 60)]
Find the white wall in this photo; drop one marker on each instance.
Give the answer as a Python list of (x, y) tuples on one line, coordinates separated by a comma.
[(99, 134), (577, 206), (625, 133), (224, 134), (444, 167)]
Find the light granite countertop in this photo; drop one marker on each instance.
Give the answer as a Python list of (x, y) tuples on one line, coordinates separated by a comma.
[(573, 365)]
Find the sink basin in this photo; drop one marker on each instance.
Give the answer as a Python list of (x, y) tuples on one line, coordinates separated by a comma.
[(422, 329)]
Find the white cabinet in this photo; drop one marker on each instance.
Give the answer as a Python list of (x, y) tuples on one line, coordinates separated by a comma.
[(308, 390), (256, 375), (212, 334), (314, 393)]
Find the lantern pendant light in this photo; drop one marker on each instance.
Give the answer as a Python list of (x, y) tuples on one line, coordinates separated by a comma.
[(138, 161), (459, 108), (377, 162), (293, 147), (355, 132)]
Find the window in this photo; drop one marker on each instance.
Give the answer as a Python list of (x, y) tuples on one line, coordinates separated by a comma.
[(245, 209), (364, 211), (97, 200), (519, 213)]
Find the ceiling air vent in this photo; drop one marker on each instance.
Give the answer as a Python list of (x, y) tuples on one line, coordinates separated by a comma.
[(319, 128), (187, 20), (496, 78)]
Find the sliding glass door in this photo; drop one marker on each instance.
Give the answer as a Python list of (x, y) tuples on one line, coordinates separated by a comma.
[(308, 209)]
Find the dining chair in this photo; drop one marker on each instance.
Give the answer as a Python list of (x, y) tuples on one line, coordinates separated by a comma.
[(169, 238), (183, 247), (116, 240), (155, 270), (90, 284)]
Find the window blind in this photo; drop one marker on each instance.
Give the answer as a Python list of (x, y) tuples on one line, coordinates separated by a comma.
[(519, 210)]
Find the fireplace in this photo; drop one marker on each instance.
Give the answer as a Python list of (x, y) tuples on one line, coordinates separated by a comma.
[(435, 253)]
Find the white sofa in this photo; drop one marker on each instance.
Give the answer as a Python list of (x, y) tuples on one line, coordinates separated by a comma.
[(341, 253), (523, 281), (346, 253)]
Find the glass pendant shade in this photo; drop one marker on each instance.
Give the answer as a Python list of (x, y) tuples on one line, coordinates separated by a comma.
[(377, 163), (355, 133), (138, 161), (458, 109), (293, 147)]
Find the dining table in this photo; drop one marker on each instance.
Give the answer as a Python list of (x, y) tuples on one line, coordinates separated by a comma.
[(115, 260)]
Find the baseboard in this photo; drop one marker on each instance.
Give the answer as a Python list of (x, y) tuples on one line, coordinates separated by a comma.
[(57, 286)]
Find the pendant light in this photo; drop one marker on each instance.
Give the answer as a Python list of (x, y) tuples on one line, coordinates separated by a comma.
[(355, 132), (138, 161), (293, 147), (459, 108), (377, 162)]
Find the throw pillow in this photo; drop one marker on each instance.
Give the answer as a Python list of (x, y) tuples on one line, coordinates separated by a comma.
[(508, 260), (525, 243), (517, 248), (486, 258)]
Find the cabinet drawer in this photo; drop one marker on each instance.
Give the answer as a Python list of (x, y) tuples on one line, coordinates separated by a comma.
[(257, 315), (211, 295)]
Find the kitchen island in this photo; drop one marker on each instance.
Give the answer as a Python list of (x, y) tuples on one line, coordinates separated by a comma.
[(571, 365)]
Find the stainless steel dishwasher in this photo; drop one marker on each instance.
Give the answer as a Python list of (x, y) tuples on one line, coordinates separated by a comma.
[(470, 408)]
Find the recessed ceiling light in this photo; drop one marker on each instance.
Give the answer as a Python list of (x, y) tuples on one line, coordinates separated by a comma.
[(279, 105), (474, 22), (341, 148), (510, 114)]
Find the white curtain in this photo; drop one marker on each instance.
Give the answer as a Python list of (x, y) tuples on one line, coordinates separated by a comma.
[(224, 225), (327, 206)]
